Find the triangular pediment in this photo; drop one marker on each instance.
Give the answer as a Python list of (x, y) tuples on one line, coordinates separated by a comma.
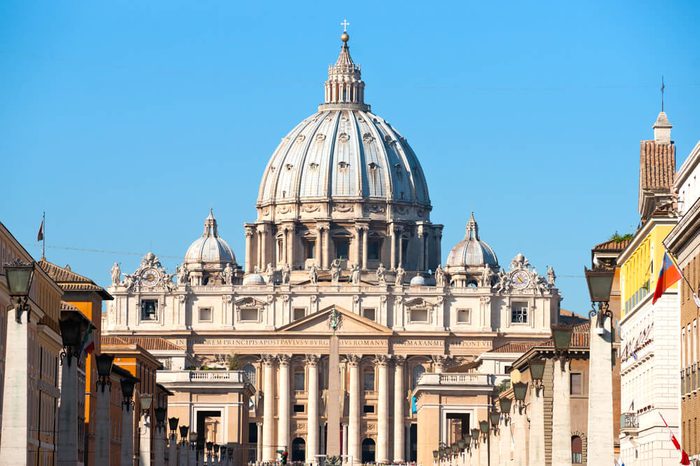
[(249, 302), (350, 324)]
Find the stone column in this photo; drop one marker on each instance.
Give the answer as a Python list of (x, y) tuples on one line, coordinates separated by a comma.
[(421, 249), (484, 452), (326, 247), (285, 252), (312, 409), (144, 441), (561, 415), (15, 400), (344, 452), (268, 409), (519, 420), (392, 236), (399, 407), (259, 452), (319, 242), (283, 406), (158, 447), (249, 259), (192, 460), (494, 446), (183, 454), (365, 255), (67, 449), (600, 400), (536, 413), (504, 445), (172, 450), (354, 445), (382, 363), (127, 450)]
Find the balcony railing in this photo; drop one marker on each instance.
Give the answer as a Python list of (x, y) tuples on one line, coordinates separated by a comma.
[(431, 378), (629, 423), (202, 376)]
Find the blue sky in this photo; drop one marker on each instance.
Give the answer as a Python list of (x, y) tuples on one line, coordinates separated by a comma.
[(127, 120)]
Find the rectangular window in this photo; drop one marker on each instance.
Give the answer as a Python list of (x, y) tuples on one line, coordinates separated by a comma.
[(368, 409), (149, 309), (309, 249), (419, 315), (299, 380), (342, 248), (249, 315), (519, 313), (205, 314), (299, 313), (374, 249), (369, 313), (576, 387), (464, 316), (368, 380), (298, 408)]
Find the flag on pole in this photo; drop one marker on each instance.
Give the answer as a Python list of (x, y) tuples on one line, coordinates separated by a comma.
[(40, 235), (684, 456), (668, 275), (88, 343)]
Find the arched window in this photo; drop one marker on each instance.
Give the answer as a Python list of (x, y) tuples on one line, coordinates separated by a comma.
[(576, 450), (417, 372), (298, 450), (249, 370), (368, 450)]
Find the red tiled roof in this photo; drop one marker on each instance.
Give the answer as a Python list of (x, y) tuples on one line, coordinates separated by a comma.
[(71, 281), (612, 245), (657, 166), (517, 346), (147, 343)]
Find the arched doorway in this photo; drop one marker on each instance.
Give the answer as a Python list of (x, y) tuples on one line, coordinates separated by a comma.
[(576, 450), (368, 450), (298, 450)]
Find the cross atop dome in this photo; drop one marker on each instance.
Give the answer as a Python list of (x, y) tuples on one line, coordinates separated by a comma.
[(345, 25), (344, 87)]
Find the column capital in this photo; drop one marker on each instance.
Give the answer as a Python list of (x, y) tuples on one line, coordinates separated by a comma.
[(312, 359), (353, 360), (268, 359), (382, 360), (284, 359), (399, 360)]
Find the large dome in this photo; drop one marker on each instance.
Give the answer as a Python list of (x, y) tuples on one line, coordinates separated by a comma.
[(209, 249), (471, 251), (344, 153)]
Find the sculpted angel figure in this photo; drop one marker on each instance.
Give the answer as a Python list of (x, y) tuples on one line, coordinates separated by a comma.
[(551, 276), (335, 271), (381, 279), (400, 274), (439, 276), (502, 282), (227, 274), (116, 274), (355, 275), (313, 274), (486, 276), (286, 274), (182, 274), (269, 273)]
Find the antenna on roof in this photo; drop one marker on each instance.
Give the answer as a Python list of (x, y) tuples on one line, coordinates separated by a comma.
[(663, 87)]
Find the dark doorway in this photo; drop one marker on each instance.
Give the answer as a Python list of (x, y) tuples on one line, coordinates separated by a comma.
[(413, 443), (202, 417), (368, 450), (298, 450)]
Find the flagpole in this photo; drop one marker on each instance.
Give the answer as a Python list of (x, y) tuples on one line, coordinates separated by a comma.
[(43, 240)]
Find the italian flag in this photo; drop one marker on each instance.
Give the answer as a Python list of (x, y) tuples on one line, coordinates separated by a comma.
[(88, 344)]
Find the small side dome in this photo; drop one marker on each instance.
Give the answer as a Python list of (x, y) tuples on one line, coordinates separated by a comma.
[(210, 249), (471, 251), (418, 280), (253, 279)]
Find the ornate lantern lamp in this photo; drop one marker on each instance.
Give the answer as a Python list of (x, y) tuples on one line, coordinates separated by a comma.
[(73, 325), (462, 444), (436, 455), (104, 369), (127, 385), (475, 436), (183, 434), (146, 402), (19, 277), (600, 281), (484, 428), (172, 423), (209, 447), (216, 449), (495, 418), (193, 440), (505, 404), (561, 335), (160, 417)]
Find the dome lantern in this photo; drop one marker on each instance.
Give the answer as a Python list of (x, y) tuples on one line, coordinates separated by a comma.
[(344, 86)]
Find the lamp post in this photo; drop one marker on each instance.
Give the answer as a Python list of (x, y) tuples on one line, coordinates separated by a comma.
[(209, 448), (561, 404), (73, 326), (600, 400), (159, 437), (183, 450), (103, 396), (127, 450), (193, 449), (15, 419), (146, 400), (229, 455), (217, 459), (172, 446)]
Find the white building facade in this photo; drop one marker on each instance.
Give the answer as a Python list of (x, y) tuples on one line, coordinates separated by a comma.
[(343, 233)]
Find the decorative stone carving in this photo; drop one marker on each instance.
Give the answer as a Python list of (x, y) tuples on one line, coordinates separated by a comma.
[(439, 276), (286, 274), (381, 359), (150, 275), (116, 274), (335, 271), (353, 359), (311, 359), (310, 208), (400, 274), (355, 274), (381, 271), (313, 274), (342, 208), (227, 275)]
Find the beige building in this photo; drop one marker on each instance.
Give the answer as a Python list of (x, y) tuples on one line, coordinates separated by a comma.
[(341, 317)]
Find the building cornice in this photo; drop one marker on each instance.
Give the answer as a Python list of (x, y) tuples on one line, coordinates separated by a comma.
[(642, 233)]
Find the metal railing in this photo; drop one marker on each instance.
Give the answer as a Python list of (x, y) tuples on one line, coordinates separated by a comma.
[(629, 422)]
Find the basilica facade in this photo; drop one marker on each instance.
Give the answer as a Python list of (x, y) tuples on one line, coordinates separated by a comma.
[(341, 307)]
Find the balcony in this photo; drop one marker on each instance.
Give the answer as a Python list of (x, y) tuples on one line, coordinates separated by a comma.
[(629, 424), (457, 383), (204, 380)]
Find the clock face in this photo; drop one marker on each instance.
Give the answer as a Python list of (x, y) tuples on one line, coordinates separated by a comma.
[(150, 277), (520, 279)]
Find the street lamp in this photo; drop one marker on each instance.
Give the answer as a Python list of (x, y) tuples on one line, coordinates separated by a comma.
[(146, 402), (475, 437), (505, 404), (160, 416), (193, 440), (183, 434), (600, 281), (495, 418), (72, 325), (172, 423), (127, 385), (520, 392), (536, 371), (484, 428), (19, 277), (104, 369)]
